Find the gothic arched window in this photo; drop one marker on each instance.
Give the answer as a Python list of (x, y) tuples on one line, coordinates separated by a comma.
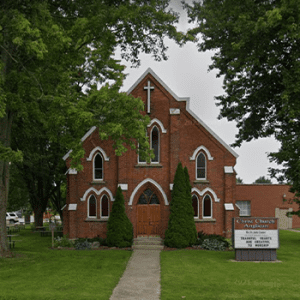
[(201, 166), (98, 167), (92, 207), (207, 207), (148, 197), (104, 206), (155, 144), (195, 204)]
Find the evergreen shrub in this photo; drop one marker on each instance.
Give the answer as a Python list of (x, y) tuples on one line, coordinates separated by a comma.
[(181, 231), (119, 227)]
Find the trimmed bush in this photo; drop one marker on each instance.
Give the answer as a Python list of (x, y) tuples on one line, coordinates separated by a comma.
[(119, 227), (181, 230)]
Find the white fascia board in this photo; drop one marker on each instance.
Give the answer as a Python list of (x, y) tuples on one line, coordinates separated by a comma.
[(82, 140), (187, 99)]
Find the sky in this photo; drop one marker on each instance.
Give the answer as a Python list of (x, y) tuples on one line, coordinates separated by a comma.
[(186, 74)]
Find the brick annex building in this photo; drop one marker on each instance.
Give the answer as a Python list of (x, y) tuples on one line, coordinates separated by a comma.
[(177, 135)]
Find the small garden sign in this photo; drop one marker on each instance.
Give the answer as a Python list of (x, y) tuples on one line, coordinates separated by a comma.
[(255, 238)]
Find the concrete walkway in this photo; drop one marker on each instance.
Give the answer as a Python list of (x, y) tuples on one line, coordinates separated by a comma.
[(141, 279)]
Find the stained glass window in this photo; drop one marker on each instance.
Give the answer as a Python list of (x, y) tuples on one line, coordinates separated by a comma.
[(148, 197), (207, 207), (92, 206), (195, 205), (104, 206), (98, 167), (201, 166), (155, 143)]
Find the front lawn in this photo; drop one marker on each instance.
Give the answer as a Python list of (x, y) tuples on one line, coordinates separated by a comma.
[(202, 274), (41, 273)]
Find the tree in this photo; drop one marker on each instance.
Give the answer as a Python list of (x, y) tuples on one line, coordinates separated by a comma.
[(239, 180), (262, 179), (181, 231), (257, 52), (53, 56), (119, 227)]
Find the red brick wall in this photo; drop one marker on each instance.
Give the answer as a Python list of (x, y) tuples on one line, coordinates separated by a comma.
[(265, 198)]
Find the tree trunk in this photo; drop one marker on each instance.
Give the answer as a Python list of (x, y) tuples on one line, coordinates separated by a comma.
[(38, 216), (5, 138)]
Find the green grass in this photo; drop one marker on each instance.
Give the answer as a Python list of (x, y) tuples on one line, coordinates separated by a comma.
[(211, 275), (38, 272)]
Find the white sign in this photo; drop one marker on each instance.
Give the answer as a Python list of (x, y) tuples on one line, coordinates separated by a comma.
[(256, 239)]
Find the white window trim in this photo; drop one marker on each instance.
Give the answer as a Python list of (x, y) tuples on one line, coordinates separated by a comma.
[(205, 178), (104, 217), (97, 179), (211, 208), (88, 203), (197, 217), (155, 162)]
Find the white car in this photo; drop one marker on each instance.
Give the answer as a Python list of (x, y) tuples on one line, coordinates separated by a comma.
[(11, 218)]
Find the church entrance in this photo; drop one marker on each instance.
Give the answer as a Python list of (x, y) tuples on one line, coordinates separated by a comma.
[(148, 214)]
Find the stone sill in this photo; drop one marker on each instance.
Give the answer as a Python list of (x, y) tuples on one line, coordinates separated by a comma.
[(148, 166), (97, 182), (205, 220), (96, 220), (200, 181)]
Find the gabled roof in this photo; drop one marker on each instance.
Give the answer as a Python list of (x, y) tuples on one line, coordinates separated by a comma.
[(187, 99)]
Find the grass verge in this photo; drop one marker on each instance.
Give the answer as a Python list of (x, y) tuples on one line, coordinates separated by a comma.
[(38, 272), (192, 275)]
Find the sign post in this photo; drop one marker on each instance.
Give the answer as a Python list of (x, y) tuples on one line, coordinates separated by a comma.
[(255, 239), (52, 228)]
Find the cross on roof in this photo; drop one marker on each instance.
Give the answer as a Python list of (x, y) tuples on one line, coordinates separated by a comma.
[(148, 88)]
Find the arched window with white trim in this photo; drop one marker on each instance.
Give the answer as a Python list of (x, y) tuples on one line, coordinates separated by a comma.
[(201, 167), (104, 207), (98, 167), (155, 144), (207, 207), (92, 207), (195, 204)]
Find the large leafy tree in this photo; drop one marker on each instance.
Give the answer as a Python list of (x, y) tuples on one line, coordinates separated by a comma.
[(54, 55), (256, 47)]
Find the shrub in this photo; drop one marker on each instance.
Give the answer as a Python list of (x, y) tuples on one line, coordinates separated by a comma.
[(119, 227), (63, 242), (83, 245), (203, 236), (213, 244), (181, 231)]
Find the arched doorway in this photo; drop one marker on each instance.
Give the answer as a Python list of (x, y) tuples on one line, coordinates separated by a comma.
[(148, 213)]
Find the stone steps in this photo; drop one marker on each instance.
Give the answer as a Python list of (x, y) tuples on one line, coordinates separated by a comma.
[(148, 243)]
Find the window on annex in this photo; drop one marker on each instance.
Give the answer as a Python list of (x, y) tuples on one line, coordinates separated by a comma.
[(245, 208), (201, 166), (92, 207), (148, 197), (207, 207), (195, 204), (98, 167), (104, 207)]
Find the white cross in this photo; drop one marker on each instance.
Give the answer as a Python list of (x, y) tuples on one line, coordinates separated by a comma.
[(148, 88)]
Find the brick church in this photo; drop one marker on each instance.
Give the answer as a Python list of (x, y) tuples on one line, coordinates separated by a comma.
[(176, 135)]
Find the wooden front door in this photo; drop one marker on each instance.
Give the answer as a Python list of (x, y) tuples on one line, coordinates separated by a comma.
[(148, 214)]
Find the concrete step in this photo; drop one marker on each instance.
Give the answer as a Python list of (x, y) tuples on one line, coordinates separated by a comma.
[(148, 243)]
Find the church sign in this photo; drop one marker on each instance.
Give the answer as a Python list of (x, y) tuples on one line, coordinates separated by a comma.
[(255, 238)]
